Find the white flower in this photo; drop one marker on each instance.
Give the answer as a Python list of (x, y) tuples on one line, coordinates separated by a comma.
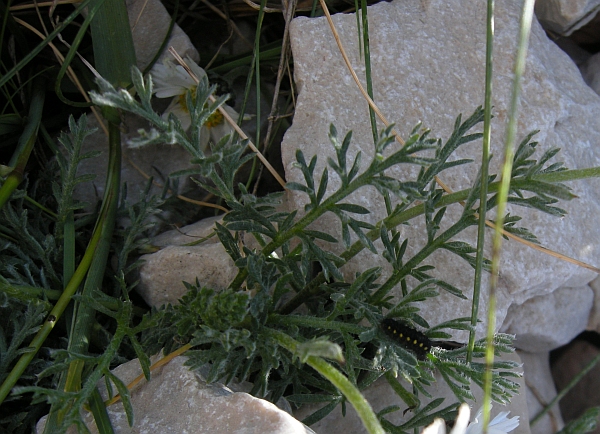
[(172, 80), (501, 424)]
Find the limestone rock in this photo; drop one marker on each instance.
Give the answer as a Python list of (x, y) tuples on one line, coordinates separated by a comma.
[(547, 322), (566, 16), (380, 395), (427, 67), (178, 400), (163, 273), (149, 25), (540, 391), (201, 232)]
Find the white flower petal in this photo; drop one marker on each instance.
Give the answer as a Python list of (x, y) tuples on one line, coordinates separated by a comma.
[(501, 424), (437, 427), (462, 420), (170, 79)]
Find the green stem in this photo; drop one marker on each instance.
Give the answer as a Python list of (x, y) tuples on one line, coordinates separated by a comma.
[(409, 398), (21, 155), (509, 146), (83, 314), (485, 159), (368, 76), (352, 394)]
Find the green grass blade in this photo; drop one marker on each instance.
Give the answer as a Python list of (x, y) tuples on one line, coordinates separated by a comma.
[(27, 140), (114, 53), (484, 171), (509, 146)]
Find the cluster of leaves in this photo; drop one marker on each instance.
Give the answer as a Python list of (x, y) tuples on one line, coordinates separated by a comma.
[(235, 331)]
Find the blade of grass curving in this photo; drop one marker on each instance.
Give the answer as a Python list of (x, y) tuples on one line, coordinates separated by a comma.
[(30, 56), (509, 146), (484, 173), (360, 404), (26, 141), (66, 63), (71, 73), (261, 15), (368, 76)]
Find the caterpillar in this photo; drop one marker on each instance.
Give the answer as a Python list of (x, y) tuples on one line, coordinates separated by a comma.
[(408, 337)]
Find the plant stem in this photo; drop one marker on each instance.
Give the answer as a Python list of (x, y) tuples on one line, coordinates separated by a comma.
[(21, 155), (362, 407), (484, 172), (509, 146)]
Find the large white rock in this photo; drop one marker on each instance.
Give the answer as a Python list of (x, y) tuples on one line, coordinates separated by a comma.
[(149, 27), (566, 16), (545, 323), (428, 62), (178, 400)]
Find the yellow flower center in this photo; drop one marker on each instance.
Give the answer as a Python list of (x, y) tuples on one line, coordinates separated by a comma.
[(182, 99), (215, 119)]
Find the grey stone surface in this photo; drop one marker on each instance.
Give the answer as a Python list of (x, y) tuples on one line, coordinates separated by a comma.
[(149, 25), (201, 232), (177, 400), (591, 72), (540, 391), (565, 16), (547, 322), (427, 67), (163, 272), (380, 395)]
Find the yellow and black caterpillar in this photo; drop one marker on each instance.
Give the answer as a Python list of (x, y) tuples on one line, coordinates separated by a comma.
[(408, 337)]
